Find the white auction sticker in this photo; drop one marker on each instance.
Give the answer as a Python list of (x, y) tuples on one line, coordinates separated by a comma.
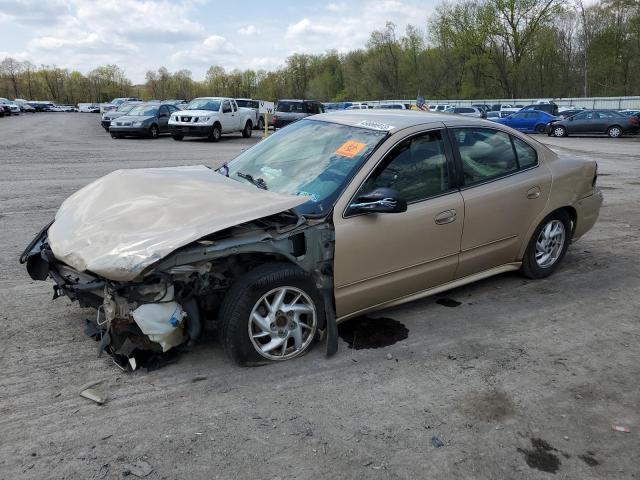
[(375, 125)]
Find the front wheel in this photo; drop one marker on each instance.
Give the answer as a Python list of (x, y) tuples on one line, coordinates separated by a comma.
[(215, 134), (614, 131), (248, 129), (154, 131), (270, 314), (547, 246), (559, 131)]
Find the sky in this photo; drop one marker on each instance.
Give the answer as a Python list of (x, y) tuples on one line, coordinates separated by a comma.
[(142, 35)]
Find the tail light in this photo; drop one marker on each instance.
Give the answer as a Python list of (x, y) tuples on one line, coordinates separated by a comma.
[(634, 120)]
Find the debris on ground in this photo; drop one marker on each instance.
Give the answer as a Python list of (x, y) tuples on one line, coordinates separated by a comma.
[(589, 459), (436, 442), (620, 428), (389, 356), (95, 391), (139, 468)]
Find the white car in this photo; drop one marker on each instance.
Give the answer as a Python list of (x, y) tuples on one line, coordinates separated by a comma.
[(441, 107), (211, 117), (392, 106), (15, 109), (88, 108), (358, 106)]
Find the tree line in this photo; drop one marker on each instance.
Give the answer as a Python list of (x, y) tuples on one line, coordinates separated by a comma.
[(466, 49)]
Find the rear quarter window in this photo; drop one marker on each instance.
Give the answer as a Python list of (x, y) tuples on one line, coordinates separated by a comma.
[(527, 155)]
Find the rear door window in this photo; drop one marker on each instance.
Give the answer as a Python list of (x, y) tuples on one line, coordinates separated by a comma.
[(485, 154)]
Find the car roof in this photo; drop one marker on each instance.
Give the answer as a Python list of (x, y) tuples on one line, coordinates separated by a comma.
[(297, 100), (395, 120)]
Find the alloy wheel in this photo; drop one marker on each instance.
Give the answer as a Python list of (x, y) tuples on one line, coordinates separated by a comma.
[(282, 323), (550, 243)]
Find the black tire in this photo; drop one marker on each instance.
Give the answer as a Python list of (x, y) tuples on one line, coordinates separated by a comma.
[(540, 128), (177, 138), (243, 295), (248, 129), (559, 131), (106, 129), (530, 266), (615, 131), (216, 133), (154, 131), (260, 123)]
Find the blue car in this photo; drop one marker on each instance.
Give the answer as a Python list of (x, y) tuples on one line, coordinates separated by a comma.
[(529, 121)]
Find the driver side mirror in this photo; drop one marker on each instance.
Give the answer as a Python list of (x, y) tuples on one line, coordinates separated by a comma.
[(381, 200)]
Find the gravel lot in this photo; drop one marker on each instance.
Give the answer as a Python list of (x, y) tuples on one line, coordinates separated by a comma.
[(520, 373)]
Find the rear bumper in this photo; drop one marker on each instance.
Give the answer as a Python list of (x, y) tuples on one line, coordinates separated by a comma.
[(588, 210), (190, 130)]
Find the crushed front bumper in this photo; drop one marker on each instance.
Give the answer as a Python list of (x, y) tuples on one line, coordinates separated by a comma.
[(132, 317)]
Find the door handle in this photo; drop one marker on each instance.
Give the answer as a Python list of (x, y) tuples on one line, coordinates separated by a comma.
[(533, 192), (445, 217)]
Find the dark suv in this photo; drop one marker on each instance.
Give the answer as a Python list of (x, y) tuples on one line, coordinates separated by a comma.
[(550, 108), (289, 111)]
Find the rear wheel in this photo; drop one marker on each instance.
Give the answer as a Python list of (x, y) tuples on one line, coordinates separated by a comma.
[(614, 131), (260, 123), (559, 131), (270, 314), (547, 246), (216, 133), (540, 128), (248, 129)]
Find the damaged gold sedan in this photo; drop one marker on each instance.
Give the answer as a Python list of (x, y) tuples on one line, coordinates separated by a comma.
[(334, 216)]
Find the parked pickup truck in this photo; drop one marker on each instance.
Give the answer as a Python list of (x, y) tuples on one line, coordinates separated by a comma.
[(211, 117), (254, 105)]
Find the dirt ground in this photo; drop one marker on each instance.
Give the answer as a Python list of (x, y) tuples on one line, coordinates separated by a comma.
[(519, 379)]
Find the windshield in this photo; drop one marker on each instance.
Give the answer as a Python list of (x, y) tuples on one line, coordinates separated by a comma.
[(309, 157), (204, 104), (126, 107), (144, 111)]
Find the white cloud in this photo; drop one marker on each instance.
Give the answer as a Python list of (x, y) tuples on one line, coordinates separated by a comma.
[(212, 51), (351, 29), (335, 7), (248, 30), (140, 35)]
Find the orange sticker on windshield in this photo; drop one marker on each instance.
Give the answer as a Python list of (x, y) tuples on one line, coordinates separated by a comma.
[(350, 149)]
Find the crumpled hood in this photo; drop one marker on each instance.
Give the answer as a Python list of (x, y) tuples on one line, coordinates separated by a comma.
[(125, 221)]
